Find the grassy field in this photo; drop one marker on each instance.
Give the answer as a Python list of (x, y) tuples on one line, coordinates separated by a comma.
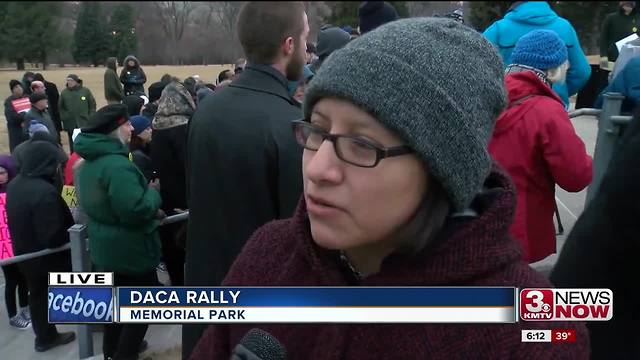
[(93, 79)]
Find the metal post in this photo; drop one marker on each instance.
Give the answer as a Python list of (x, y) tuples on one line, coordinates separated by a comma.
[(606, 141), (81, 262)]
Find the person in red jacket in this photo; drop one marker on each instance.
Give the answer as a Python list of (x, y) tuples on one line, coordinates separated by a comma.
[(73, 159), (399, 190), (535, 142)]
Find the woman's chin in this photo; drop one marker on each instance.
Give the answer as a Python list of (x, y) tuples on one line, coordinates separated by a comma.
[(326, 237)]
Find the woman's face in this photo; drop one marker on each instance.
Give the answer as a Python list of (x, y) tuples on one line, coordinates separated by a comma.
[(131, 63), (4, 176), (353, 207), (145, 135)]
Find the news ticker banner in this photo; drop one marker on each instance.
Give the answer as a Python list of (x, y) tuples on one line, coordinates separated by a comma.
[(317, 305), (91, 298)]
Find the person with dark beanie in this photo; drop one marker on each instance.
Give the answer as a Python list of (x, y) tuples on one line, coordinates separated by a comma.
[(54, 97), (601, 250), (155, 90), (15, 282), (123, 212), (13, 117), (418, 201), (39, 113), (134, 104), (38, 219), (375, 13), (330, 39), (140, 146)]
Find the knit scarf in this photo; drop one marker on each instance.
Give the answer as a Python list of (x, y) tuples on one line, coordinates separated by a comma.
[(516, 68)]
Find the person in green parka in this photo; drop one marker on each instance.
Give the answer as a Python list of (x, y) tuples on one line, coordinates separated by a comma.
[(123, 216), (112, 86), (77, 104), (616, 26)]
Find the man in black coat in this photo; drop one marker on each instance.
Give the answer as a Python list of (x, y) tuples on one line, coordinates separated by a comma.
[(54, 97), (38, 219), (602, 250), (243, 165)]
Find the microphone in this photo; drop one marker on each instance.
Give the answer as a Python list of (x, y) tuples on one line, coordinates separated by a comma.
[(258, 344)]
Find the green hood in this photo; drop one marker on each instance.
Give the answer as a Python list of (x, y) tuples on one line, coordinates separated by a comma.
[(91, 146)]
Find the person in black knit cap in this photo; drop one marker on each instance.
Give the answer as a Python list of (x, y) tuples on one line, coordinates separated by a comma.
[(375, 13)]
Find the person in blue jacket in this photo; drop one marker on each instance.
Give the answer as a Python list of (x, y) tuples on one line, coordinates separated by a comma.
[(525, 16), (626, 82)]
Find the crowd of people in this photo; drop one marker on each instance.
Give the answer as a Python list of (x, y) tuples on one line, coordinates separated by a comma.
[(440, 177)]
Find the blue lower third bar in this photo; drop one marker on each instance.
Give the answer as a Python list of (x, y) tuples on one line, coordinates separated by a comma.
[(81, 304), (319, 296)]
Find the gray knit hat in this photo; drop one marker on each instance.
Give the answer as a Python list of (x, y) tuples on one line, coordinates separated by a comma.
[(446, 95)]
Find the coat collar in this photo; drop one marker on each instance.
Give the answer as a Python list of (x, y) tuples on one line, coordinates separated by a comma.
[(527, 83), (37, 111), (266, 79)]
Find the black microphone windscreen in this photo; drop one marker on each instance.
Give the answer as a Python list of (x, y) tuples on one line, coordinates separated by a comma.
[(264, 345)]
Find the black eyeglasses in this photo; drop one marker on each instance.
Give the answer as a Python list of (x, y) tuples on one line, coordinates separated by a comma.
[(350, 149)]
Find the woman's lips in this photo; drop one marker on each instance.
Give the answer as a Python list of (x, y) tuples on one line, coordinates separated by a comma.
[(321, 207)]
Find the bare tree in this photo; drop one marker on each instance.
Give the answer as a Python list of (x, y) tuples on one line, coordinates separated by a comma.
[(175, 16), (227, 14)]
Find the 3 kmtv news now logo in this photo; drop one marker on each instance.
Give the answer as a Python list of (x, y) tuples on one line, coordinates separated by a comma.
[(566, 304)]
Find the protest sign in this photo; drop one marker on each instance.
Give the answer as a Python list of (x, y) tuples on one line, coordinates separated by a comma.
[(21, 105), (69, 196), (6, 248)]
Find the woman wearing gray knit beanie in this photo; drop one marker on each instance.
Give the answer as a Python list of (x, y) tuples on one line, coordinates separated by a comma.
[(399, 190)]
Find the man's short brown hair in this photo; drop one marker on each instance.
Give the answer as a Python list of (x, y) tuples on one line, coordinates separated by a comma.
[(263, 26)]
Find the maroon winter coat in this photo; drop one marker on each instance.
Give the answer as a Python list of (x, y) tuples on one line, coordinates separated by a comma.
[(473, 251), (535, 142)]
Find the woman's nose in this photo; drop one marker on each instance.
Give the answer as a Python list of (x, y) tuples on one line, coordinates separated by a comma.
[(323, 165)]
